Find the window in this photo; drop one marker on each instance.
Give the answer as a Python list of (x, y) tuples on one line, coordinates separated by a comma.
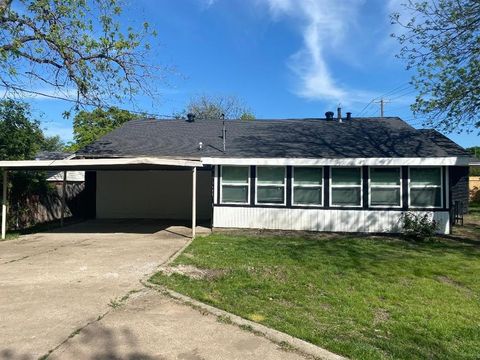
[(346, 186), (270, 185), (307, 186), (235, 184), (385, 186), (425, 187)]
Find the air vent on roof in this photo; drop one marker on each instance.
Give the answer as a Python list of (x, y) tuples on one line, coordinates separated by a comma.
[(191, 117), (349, 116), (329, 115)]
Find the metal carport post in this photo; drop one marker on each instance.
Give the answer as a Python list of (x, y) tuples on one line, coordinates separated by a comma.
[(194, 201), (4, 204)]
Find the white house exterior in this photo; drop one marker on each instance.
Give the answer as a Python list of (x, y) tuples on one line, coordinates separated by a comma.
[(357, 175)]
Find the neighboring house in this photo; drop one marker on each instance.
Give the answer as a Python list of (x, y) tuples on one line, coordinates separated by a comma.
[(57, 176), (354, 175)]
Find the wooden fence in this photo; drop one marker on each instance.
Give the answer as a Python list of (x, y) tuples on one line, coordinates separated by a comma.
[(474, 188)]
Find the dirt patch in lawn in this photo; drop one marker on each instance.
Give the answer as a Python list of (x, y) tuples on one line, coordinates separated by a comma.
[(380, 316), (193, 272)]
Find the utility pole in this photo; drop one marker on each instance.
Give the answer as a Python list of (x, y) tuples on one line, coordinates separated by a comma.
[(382, 103)]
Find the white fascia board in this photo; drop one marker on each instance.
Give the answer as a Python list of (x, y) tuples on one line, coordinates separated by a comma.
[(75, 163), (434, 161)]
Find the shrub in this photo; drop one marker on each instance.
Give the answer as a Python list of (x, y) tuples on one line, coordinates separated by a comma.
[(419, 227)]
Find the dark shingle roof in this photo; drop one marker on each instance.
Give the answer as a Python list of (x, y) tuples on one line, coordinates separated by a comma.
[(301, 138), (52, 155)]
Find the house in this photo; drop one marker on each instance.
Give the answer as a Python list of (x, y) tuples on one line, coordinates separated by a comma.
[(353, 174), (319, 174)]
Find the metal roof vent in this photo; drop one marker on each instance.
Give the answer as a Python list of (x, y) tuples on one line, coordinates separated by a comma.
[(329, 115), (349, 116), (190, 117)]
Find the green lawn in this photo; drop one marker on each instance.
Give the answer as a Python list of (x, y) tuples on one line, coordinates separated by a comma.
[(362, 297)]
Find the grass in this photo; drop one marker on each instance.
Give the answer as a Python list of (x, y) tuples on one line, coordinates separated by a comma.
[(365, 297)]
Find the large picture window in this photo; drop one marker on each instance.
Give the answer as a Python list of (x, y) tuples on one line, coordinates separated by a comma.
[(346, 186), (307, 186), (270, 185), (425, 187), (235, 184), (385, 186)]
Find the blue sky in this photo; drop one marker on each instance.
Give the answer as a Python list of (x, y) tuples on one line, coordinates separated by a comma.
[(284, 58)]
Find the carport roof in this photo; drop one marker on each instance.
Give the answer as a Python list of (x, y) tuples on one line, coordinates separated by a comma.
[(134, 163)]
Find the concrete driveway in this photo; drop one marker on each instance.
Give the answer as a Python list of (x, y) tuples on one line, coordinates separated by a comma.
[(75, 294)]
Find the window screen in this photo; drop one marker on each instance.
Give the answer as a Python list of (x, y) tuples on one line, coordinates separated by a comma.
[(270, 185), (385, 186), (346, 186), (426, 187), (235, 181), (307, 185)]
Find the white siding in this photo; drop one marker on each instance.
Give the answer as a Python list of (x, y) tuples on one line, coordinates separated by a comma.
[(165, 194), (317, 219)]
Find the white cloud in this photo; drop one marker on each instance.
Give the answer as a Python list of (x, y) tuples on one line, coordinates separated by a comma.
[(323, 25), (208, 3)]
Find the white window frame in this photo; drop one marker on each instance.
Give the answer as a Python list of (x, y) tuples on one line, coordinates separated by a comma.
[(426, 187), (234, 184), (321, 186), (331, 186), (385, 187), (270, 185)]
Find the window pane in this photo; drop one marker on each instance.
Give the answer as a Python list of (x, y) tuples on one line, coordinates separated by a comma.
[(307, 176), (270, 194), (385, 196), (346, 176), (426, 197), (346, 196), (307, 196), (270, 175), (385, 176), (235, 174), (234, 194), (425, 176)]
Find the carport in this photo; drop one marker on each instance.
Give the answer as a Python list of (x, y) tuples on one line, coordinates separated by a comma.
[(130, 164)]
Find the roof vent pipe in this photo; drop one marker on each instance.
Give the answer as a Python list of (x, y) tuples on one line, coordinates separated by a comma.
[(329, 115), (191, 117), (349, 116), (224, 133), (339, 114)]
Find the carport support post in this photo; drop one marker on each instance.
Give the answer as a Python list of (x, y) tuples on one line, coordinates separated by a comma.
[(194, 201), (4, 204), (64, 183)]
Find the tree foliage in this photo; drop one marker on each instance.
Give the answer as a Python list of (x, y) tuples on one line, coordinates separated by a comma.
[(89, 126), (215, 107), (79, 45), (440, 39), (20, 137), (475, 151)]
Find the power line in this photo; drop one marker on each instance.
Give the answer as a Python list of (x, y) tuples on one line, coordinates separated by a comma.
[(57, 97)]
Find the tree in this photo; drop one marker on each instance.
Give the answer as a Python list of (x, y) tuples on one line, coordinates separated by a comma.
[(53, 143), (79, 45), (90, 126), (475, 151), (20, 137), (213, 107), (441, 40)]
